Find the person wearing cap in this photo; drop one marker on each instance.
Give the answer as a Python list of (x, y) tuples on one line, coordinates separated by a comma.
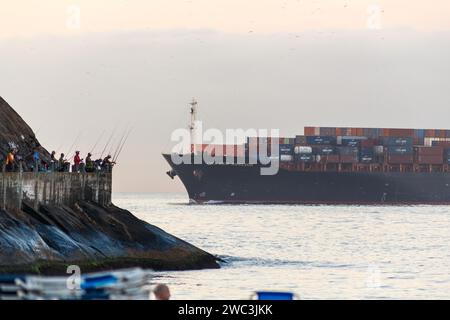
[(89, 163), (107, 164)]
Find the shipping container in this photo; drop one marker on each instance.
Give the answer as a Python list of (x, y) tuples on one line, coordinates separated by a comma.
[(400, 159), (321, 140), (350, 142), (445, 144), (324, 150), (307, 158), (303, 149), (348, 158), (366, 158), (286, 158), (400, 150), (345, 151), (418, 141), (430, 159), (286, 149), (312, 131), (327, 131), (331, 158), (430, 133), (419, 133), (378, 150), (367, 143), (397, 141), (401, 133), (366, 150), (429, 151), (300, 140), (286, 140)]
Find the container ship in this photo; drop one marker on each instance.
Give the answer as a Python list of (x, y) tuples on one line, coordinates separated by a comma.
[(326, 165)]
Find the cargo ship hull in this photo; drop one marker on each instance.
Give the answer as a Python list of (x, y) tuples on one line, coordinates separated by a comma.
[(230, 183)]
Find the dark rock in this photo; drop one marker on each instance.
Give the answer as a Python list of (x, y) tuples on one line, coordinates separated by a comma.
[(38, 238), (92, 236), (15, 131)]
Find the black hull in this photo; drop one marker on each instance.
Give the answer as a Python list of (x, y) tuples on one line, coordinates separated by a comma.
[(244, 184)]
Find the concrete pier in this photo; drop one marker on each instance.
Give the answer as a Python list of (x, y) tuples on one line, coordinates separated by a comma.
[(53, 188)]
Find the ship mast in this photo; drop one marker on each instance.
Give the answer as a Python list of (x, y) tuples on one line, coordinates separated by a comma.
[(193, 112)]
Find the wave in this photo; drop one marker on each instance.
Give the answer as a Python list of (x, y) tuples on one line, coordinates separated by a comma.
[(227, 260)]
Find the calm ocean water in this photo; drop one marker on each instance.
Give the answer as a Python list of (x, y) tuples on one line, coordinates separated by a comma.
[(318, 252)]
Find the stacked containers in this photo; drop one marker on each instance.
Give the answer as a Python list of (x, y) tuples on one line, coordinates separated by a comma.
[(303, 154), (348, 154), (320, 140), (429, 155), (399, 150), (447, 156), (300, 140), (286, 152)]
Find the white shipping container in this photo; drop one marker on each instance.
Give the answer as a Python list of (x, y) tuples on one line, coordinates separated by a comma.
[(286, 158), (378, 150), (429, 141), (302, 149)]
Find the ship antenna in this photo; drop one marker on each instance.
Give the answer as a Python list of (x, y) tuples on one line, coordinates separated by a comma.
[(193, 112)]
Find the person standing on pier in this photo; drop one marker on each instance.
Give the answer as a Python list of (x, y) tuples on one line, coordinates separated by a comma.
[(77, 160)]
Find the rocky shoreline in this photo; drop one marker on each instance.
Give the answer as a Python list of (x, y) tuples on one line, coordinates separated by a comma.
[(94, 237), (50, 220)]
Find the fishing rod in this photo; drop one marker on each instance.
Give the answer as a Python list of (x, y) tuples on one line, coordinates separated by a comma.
[(73, 144), (120, 141), (108, 142), (123, 144), (98, 140)]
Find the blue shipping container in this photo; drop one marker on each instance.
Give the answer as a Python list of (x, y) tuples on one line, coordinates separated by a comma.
[(400, 149), (397, 141), (326, 150), (348, 151), (286, 149), (366, 158), (351, 142), (304, 157), (318, 140), (419, 133)]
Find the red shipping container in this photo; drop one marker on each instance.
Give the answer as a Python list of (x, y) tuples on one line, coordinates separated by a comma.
[(367, 143), (430, 160), (359, 132), (331, 158), (400, 159), (339, 131), (430, 151), (430, 133), (401, 133), (348, 159), (309, 131)]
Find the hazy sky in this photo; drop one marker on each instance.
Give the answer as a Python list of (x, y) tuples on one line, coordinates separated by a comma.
[(96, 65)]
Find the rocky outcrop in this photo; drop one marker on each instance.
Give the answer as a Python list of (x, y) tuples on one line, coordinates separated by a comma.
[(15, 133), (94, 237), (51, 220)]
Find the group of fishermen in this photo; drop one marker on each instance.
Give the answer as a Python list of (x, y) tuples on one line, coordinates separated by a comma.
[(15, 162)]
